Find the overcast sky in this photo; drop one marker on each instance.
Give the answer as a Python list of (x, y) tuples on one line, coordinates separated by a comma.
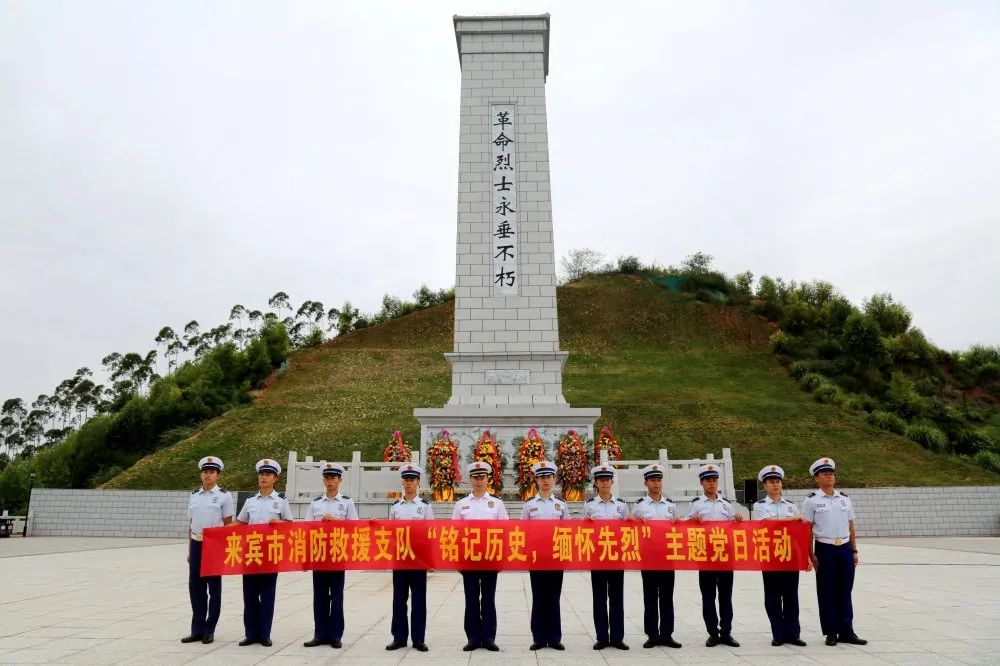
[(162, 161)]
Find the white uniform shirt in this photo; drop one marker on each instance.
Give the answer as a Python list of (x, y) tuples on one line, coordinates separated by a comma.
[(260, 509), (829, 514), (540, 508), (647, 509), (611, 509), (768, 509), (415, 509), (207, 508), (486, 507), (339, 506), (709, 510)]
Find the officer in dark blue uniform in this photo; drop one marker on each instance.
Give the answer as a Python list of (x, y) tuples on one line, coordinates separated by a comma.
[(266, 507), (781, 588), (711, 506), (409, 582), (835, 553), (607, 587), (546, 586), (328, 586), (209, 506)]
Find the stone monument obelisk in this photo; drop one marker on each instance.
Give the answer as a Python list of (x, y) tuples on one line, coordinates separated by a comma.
[(506, 367)]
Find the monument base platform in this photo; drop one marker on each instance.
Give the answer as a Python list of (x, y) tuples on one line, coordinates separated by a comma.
[(466, 423)]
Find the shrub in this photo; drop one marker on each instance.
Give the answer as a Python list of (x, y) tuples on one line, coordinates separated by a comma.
[(581, 261), (781, 343), (988, 460), (796, 318), (812, 381), (904, 399), (828, 393), (927, 436), (862, 339), (859, 402), (887, 421), (744, 284)]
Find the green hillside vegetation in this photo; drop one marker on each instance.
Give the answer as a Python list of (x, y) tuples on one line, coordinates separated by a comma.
[(680, 371)]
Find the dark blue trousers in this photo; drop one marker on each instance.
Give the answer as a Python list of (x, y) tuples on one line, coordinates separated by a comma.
[(781, 601), (608, 588), (658, 604), (205, 593), (546, 589), (834, 583), (404, 584), (480, 606), (258, 605), (328, 605), (711, 582)]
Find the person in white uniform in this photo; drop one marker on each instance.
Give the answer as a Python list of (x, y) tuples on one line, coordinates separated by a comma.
[(657, 584), (209, 506), (546, 586), (480, 586)]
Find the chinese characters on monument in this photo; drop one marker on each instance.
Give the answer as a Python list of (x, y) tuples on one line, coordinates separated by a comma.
[(504, 198)]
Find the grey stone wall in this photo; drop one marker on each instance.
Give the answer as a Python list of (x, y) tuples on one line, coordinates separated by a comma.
[(932, 511), (881, 512)]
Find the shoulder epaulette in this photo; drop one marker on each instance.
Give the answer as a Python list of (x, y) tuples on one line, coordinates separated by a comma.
[(813, 493), (669, 500), (396, 502), (759, 502), (281, 495), (345, 497), (318, 498), (195, 491), (558, 499), (640, 500), (696, 499), (222, 490), (787, 500), (724, 499), (592, 498), (619, 499), (842, 493)]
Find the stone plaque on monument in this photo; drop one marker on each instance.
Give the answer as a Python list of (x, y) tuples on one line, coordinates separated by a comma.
[(506, 366)]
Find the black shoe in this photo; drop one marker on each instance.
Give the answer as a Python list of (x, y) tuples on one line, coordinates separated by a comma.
[(266, 642), (395, 645), (652, 642), (536, 646), (852, 638), (208, 639), (335, 644), (557, 646), (600, 645), (469, 647), (314, 642), (712, 641), (420, 647), (492, 647), (619, 644), (246, 641), (776, 643), (726, 639), (668, 642), (797, 641), (193, 638), (831, 640)]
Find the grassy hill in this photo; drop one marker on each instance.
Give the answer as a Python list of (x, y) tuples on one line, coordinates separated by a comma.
[(667, 371)]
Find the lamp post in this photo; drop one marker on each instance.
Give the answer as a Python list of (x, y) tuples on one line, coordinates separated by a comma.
[(31, 485)]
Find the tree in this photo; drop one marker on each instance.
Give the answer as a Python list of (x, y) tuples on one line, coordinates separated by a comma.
[(862, 340), (166, 337), (343, 319), (280, 302), (893, 318), (236, 314), (255, 316), (699, 262), (581, 261)]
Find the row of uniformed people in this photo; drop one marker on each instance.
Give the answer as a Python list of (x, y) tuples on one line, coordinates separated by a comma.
[(828, 511)]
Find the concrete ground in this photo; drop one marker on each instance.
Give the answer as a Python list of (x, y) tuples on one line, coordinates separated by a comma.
[(110, 601)]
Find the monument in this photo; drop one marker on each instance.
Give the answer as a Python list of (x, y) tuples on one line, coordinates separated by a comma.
[(506, 367)]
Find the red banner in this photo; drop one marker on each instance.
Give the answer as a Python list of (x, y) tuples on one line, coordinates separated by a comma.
[(506, 545)]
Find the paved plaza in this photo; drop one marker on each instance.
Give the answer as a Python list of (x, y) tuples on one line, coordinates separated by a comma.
[(110, 601)]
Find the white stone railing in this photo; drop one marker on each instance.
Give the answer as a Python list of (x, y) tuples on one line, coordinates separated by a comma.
[(680, 480), (362, 481)]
